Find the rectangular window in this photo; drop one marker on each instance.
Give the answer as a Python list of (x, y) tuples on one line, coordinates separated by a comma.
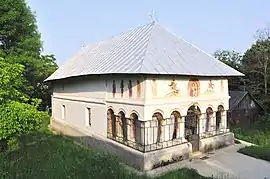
[(63, 112), (88, 116)]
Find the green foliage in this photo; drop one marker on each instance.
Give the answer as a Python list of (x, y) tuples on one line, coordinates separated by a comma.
[(258, 133), (257, 152), (10, 81), (18, 29), (53, 156), (231, 58), (234, 60), (17, 119), (256, 62), (20, 43), (258, 137)]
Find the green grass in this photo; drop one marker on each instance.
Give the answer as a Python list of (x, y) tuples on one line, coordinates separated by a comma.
[(257, 152), (259, 134), (53, 156)]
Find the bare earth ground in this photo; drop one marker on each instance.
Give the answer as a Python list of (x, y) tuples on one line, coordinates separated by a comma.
[(224, 163)]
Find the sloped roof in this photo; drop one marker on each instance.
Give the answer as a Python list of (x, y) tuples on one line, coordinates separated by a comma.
[(237, 97), (149, 49)]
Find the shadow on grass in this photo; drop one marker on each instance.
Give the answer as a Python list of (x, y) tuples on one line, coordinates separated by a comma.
[(53, 156), (258, 152)]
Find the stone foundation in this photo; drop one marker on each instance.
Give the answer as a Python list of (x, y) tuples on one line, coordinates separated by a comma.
[(216, 142), (141, 161)]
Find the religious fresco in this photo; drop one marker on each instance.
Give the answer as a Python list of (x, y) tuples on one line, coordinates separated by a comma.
[(210, 87), (174, 91), (122, 88), (138, 88), (154, 88), (194, 88), (113, 88), (130, 88)]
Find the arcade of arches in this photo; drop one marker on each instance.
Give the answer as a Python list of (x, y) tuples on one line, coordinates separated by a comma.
[(160, 129)]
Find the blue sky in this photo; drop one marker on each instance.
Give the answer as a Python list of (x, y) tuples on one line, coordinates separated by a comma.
[(213, 24)]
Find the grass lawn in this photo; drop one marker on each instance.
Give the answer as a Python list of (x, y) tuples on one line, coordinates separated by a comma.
[(259, 134), (52, 156)]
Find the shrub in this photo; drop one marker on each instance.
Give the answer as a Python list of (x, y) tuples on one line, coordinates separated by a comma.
[(18, 119)]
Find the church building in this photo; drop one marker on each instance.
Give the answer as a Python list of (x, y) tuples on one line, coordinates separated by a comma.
[(146, 95)]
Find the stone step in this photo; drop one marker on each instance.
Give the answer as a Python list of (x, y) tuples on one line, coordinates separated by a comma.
[(196, 155)]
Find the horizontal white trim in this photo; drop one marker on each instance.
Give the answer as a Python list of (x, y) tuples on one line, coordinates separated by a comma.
[(129, 102), (164, 101), (80, 99)]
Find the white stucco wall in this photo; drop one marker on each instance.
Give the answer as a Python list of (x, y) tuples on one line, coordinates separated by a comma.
[(97, 93), (76, 114)]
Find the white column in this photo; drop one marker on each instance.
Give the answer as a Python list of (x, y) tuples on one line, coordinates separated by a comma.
[(213, 122), (167, 128), (224, 121)]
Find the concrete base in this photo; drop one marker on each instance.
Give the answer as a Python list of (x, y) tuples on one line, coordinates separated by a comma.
[(141, 161), (216, 142)]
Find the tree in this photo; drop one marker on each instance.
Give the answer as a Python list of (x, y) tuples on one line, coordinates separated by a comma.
[(22, 72), (230, 58), (256, 63), (234, 60), (10, 83), (18, 119), (20, 43), (18, 29)]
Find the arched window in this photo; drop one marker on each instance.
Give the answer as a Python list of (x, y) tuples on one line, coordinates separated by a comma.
[(175, 115), (209, 116), (219, 116), (111, 123), (159, 133), (121, 125), (191, 121), (133, 127)]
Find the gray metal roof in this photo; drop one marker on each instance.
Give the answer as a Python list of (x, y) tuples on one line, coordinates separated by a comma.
[(149, 49)]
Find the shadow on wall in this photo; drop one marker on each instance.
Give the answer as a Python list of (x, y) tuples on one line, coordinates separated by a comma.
[(117, 84)]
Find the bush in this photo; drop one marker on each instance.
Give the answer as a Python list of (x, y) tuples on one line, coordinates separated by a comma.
[(257, 152), (258, 137), (18, 119), (258, 133)]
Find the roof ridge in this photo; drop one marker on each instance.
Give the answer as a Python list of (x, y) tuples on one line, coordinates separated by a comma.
[(148, 40), (191, 44), (135, 50)]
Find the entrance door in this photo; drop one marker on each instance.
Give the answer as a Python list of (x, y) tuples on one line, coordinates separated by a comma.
[(192, 127)]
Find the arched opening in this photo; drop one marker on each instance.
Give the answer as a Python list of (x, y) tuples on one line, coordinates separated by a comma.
[(209, 116), (176, 117), (219, 116), (159, 132), (134, 132), (191, 121), (111, 129), (192, 126), (121, 125)]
